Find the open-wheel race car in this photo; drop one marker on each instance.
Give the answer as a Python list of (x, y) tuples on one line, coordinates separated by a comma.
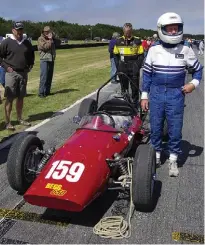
[(104, 153)]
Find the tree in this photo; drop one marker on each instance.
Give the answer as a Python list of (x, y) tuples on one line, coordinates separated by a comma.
[(75, 31)]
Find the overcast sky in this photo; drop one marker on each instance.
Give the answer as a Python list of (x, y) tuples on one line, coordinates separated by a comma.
[(141, 13)]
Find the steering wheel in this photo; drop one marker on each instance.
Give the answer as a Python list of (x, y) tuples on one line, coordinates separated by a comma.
[(105, 113)]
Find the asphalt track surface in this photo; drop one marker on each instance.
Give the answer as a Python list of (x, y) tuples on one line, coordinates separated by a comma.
[(179, 201)]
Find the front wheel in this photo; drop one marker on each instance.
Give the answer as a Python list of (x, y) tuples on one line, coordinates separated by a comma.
[(143, 178), (22, 162)]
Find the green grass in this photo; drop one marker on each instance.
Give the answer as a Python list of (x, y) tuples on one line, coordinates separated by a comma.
[(77, 73)]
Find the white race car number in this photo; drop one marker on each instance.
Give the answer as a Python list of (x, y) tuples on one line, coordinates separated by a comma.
[(72, 171)]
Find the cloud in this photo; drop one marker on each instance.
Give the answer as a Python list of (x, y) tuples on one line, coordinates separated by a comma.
[(142, 14), (50, 7)]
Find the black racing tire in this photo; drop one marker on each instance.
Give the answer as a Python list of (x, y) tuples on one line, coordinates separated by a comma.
[(87, 106), (143, 178), (16, 162)]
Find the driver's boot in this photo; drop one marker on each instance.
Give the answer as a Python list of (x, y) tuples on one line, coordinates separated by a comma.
[(173, 169)]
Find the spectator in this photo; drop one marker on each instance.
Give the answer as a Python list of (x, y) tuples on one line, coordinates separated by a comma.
[(190, 41), (2, 76), (148, 42), (154, 39), (129, 56), (201, 47), (46, 47), (17, 58), (2, 80), (186, 42), (112, 43), (145, 46)]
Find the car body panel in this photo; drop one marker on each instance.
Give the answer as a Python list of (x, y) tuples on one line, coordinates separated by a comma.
[(77, 173)]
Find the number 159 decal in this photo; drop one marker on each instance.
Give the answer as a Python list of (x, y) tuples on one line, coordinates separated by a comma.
[(72, 171)]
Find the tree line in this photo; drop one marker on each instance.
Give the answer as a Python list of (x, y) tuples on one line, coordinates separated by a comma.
[(74, 31)]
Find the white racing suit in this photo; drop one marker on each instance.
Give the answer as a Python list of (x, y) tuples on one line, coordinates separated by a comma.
[(164, 74)]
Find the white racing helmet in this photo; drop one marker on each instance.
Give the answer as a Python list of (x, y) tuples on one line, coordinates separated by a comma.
[(169, 19)]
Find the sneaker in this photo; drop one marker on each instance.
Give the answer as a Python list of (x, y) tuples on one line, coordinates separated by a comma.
[(173, 169), (9, 126), (24, 123)]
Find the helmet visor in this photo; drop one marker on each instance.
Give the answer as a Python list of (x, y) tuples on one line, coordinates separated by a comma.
[(172, 29)]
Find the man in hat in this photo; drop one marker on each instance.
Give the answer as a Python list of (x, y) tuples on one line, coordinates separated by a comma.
[(47, 51), (17, 58)]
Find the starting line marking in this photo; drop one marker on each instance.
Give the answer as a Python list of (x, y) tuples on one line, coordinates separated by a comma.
[(188, 237), (26, 216)]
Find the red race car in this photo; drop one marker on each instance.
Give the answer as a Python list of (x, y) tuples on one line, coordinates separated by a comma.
[(104, 153)]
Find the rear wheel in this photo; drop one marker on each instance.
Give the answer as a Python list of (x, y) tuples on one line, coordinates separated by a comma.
[(23, 162), (143, 178), (87, 106)]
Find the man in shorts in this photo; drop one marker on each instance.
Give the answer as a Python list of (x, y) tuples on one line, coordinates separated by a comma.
[(17, 58)]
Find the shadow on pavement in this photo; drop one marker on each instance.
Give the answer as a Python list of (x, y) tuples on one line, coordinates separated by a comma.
[(90, 216), (44, 115), (3, 155), (156, 193), (118, 203), (188, 150)]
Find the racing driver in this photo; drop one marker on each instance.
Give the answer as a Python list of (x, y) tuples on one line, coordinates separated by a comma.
[(164, 85)]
